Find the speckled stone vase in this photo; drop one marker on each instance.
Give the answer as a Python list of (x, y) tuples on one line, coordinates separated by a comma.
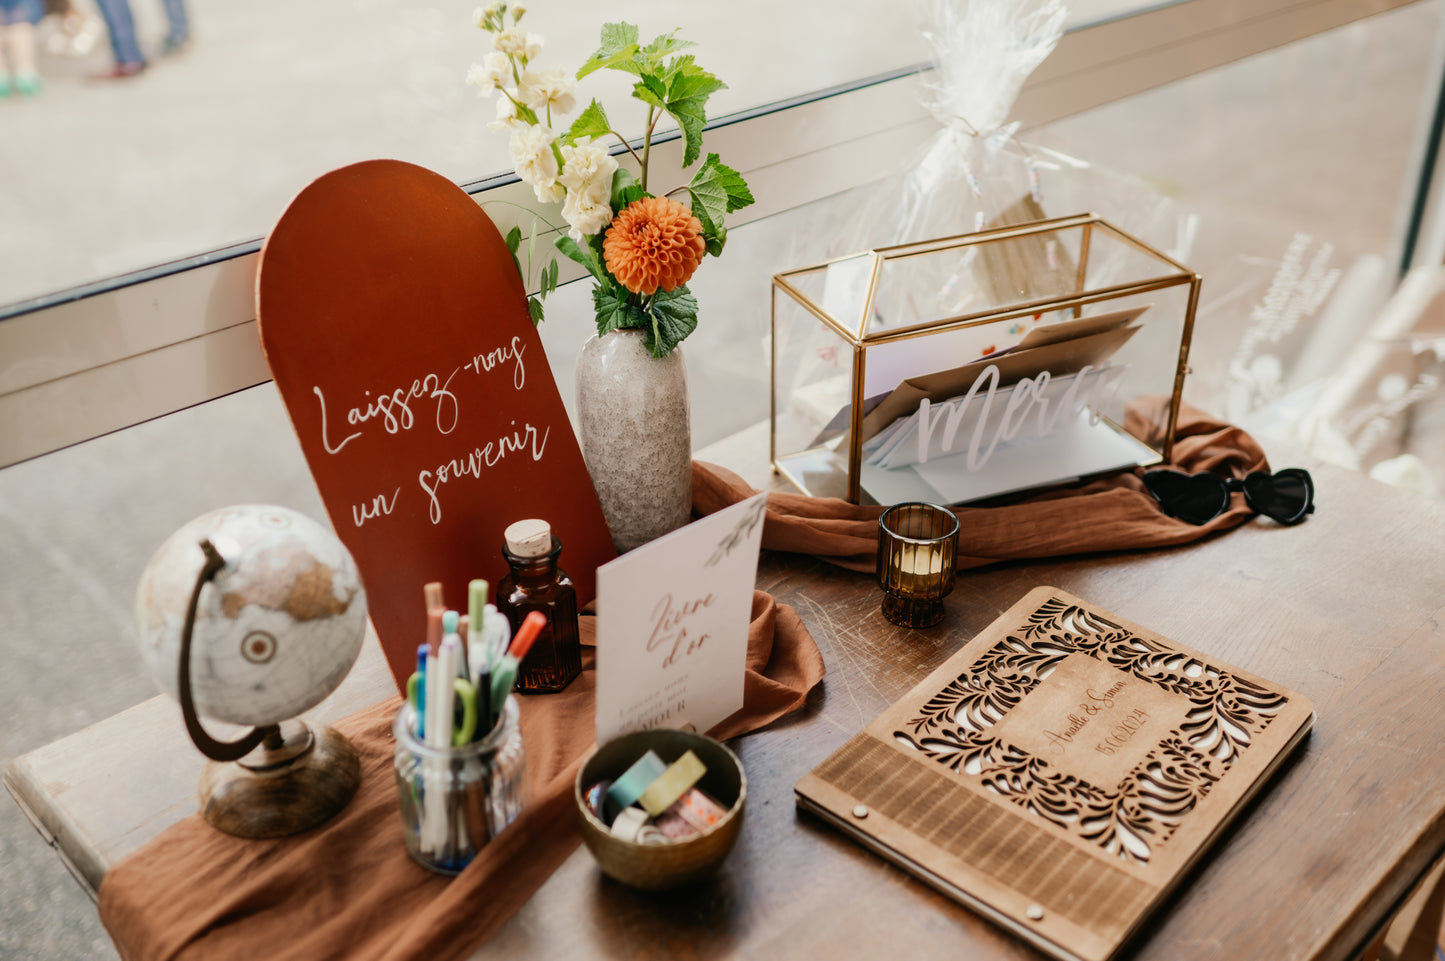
[(636, 435)]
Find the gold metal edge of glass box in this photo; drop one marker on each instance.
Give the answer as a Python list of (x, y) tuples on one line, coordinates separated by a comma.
[(860, 339)]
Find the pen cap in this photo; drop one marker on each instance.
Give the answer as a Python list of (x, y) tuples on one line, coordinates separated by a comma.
[(476, 601), (529, 538)]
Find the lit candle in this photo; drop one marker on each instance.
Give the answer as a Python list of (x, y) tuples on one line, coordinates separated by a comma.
[(917, 546), (920, 560)]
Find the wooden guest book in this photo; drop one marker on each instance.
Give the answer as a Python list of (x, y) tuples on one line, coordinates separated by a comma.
[(1061, 772)]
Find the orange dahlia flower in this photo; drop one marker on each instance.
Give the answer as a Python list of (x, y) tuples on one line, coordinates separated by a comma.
[(653, 243)]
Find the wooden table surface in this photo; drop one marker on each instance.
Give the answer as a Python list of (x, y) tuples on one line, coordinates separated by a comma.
[(1346, 608)]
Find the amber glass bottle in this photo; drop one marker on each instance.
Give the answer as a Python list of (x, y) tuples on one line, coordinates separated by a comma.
[(536, 583)]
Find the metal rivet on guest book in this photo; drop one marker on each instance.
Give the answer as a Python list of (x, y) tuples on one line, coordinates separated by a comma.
[(860, 810), (1035, 912)]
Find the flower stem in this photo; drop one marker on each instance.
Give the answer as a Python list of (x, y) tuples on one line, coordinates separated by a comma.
[(535, 215), (640, 164), (647, 146)]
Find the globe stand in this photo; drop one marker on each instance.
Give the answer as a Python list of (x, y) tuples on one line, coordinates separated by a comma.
[(297, 778), (277, 780)]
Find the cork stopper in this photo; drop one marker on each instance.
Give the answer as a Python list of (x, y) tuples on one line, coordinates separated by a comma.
[(529, 538)]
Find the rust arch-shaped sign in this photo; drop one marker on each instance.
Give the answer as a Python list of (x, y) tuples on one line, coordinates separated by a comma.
[(396, 329)]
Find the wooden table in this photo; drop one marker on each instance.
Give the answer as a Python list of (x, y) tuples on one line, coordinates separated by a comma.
[(1347, 609)]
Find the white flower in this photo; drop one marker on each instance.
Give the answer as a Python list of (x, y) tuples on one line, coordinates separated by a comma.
[(586, 163), (519, 10), (511, 40), (494, 71), (490, 13), (587, 211), (506, 116), (549, 193), (531, 148), (543, 89)]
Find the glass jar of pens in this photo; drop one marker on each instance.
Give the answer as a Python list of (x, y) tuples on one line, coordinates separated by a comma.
[(460, 763)]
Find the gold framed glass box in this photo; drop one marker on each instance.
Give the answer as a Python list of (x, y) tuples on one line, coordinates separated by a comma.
[(969, 367)]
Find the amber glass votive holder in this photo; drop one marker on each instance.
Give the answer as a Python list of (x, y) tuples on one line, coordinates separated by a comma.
[(917, 557)]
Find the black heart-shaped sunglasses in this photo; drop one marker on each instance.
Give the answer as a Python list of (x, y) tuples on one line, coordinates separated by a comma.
[(1285, 496)]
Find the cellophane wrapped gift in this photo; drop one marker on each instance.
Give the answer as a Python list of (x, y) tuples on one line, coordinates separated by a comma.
[(977, 172)]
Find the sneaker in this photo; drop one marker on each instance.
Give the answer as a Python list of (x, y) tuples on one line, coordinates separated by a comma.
[(4, 85), (119, 71), (29, 84), (171, 46)]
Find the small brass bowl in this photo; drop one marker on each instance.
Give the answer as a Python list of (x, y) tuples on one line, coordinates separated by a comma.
[(658, 867)]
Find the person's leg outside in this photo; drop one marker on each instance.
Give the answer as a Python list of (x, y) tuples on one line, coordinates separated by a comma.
[(17, 25), (178, 33), (121, 23)]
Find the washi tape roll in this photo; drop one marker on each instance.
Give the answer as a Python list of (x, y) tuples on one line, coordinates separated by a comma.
[(625, 791), (699, 810), (651, 834), (674, 826), (662, 793), (629, 824)]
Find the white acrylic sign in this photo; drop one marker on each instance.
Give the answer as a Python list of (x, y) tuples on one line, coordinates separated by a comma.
[(672, 624)]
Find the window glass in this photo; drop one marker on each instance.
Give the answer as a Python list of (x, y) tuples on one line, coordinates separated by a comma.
[(1292, 174), (206, 146)]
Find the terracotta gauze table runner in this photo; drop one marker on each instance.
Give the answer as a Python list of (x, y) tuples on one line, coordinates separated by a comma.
[(1114, 513), (351, 890)]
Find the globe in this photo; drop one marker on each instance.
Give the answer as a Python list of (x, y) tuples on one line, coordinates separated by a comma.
[(276, 629)]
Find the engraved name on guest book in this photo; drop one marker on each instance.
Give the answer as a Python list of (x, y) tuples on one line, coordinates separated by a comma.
[(396, 329), (1091, 721)]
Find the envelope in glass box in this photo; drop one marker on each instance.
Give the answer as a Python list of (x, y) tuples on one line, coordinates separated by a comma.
[(910, 373)]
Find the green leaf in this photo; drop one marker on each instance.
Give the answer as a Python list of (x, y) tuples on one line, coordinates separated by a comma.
[(584, 256), (618, 51), (592, 122), (709, 198), (625, 190), (513, 240), (651, 90), (716, 241), (614, 312), (678, 65), (662, 46), (616, 38), (739, 196), (673, 316), (534, 307), (717, 189), (687, 95), (622, 182)]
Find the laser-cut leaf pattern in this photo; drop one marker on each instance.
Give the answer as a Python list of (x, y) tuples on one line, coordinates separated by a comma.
[(1131, 819)]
